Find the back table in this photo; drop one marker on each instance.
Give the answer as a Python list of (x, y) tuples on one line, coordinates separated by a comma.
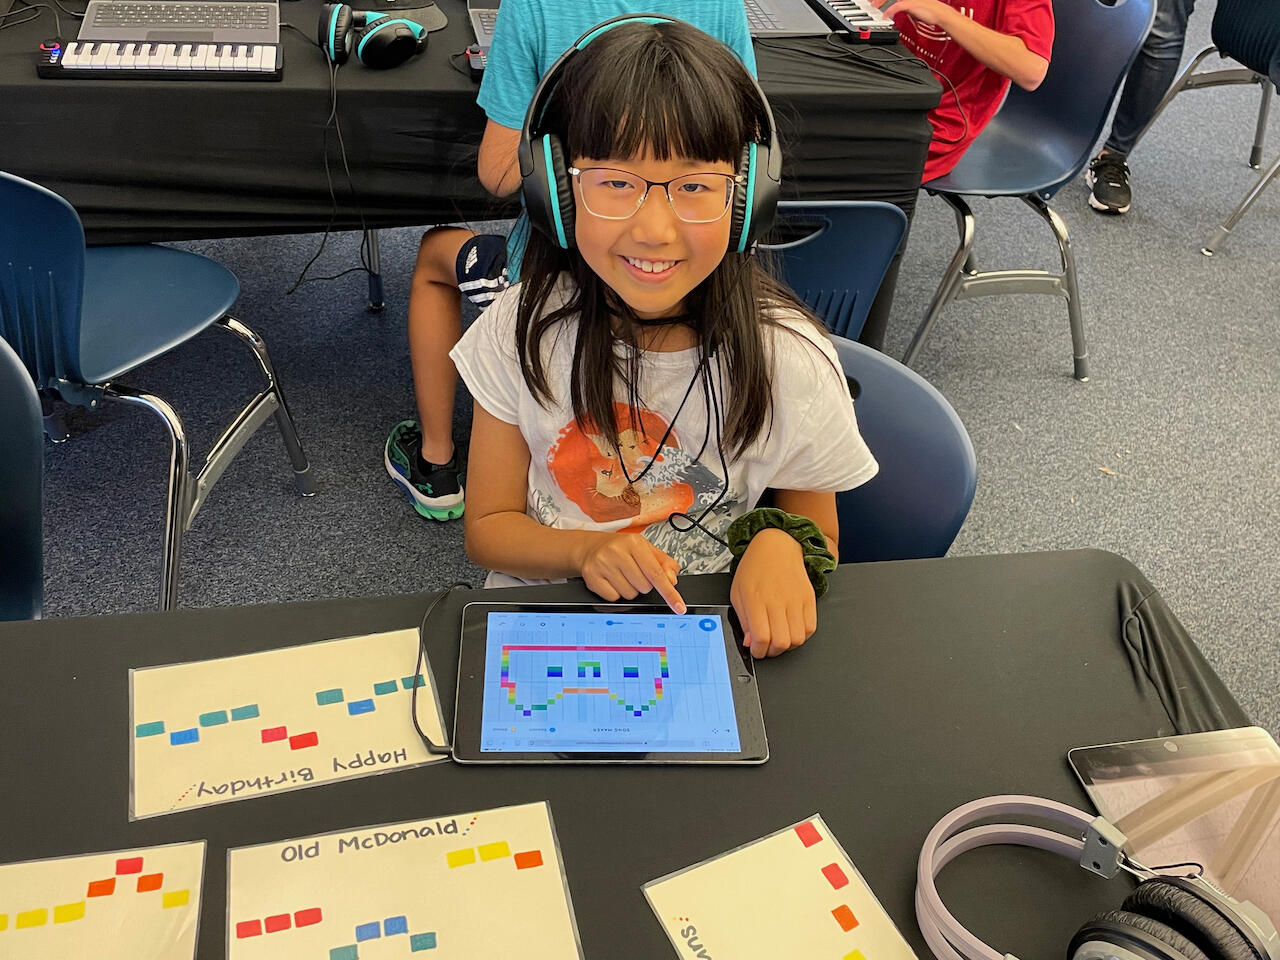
[(168, 160), (929, 683)]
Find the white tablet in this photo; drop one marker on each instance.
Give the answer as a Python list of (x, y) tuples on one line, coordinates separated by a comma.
[(612, 683)]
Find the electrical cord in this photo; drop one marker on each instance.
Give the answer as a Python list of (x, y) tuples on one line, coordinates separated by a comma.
[(439, 749), (33, 9)]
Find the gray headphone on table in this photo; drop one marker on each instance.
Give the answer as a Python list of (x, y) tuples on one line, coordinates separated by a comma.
[(1164, 918)]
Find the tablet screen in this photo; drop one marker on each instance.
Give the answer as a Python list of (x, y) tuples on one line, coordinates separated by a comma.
[(593, 682)]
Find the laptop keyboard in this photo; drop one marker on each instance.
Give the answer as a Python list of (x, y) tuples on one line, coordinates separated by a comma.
[(156, 14), (488, 19), (758, 18)]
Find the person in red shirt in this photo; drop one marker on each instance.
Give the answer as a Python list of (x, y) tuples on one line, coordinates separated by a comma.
[(975, 48)]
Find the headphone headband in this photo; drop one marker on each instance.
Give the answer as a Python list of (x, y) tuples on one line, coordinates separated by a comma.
[(1094, 842)]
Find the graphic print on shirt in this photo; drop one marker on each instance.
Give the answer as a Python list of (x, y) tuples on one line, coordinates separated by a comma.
[(933, 34), (595, 478)]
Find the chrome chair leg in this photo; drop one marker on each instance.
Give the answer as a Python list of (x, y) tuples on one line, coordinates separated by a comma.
[(1220, 234), (1260, 132), (181, 489), (376, 301), (1079, 350), (951, 277), (55, 421), (1183, 80), (302, 478)]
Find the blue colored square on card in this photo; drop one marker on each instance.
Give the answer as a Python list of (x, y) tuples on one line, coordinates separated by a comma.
[(393, 925), (191, 735), (368, 931), (360, 706), (422, 941)]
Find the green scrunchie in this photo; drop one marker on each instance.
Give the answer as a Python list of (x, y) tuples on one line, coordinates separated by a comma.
[(818, 559)]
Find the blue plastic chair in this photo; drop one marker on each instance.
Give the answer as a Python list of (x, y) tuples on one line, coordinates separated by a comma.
[(838, 261), (21, 474), (79, 318), (1248, 32), (916, 504), (1037, 143)]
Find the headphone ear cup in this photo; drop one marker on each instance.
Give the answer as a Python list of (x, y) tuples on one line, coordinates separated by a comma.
[(548, 191), (389, 43), (334, 31), (1137, 933), (1193, 917)]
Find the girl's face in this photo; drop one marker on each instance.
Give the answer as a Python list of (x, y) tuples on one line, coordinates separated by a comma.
[(678, 255)]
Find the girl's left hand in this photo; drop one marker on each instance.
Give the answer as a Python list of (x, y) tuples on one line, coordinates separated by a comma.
[(772, 594)]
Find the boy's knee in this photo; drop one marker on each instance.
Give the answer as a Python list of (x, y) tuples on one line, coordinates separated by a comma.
[(438, 255)]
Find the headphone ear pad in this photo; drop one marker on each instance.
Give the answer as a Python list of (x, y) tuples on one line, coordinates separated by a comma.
[(738, 217), (547, 189), (1139, 934), (334, 32), (389, 43), (1192, 916)]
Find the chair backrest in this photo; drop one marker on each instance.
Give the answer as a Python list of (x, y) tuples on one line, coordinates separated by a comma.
[(916, 504), (41, 279), (834, 255), (1249, 31), (1040, 140), (21, 475)]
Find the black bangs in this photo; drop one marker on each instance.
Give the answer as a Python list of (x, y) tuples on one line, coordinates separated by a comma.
[(643, 86)]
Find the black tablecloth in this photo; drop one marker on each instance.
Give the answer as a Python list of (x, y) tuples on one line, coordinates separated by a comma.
[(159, 160), (928, 684)]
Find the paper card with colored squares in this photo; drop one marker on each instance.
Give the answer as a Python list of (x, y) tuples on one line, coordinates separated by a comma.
[(128, 905), (487, 884), (819, 905), (214, 731)]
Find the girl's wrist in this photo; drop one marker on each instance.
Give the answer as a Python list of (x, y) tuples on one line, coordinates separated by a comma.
[(817, 557)]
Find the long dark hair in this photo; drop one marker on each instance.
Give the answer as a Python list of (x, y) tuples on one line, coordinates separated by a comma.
[(676, 91)]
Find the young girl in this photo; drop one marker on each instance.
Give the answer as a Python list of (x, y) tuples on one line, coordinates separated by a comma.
[(638, 392)]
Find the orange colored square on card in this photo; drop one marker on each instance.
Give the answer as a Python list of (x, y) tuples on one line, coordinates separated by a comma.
[(102, 888), (530, 858), (844, 916), (304, 918), (808, 833), (280, 921), (152, 881), (248, 928), (835, 876)]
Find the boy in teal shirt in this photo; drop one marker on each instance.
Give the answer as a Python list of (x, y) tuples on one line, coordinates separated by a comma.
[(528, 38)]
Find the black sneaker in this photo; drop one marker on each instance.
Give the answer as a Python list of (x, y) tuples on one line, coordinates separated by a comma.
[(434, 493), (1108, 179)]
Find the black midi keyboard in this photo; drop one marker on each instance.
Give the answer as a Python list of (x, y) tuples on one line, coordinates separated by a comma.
[(139, 60), (861, 19)]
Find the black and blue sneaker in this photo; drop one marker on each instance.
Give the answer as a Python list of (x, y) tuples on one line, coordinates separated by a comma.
[(433, 489)]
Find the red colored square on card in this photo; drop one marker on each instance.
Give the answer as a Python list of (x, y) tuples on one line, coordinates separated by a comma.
[(844, 916), (129, 865), (808, 833), (248, 928), (530, 858), (152, 881), (101, 888), (304, 740), (835, 876), (272, 734), (305, 918), (280, 921)]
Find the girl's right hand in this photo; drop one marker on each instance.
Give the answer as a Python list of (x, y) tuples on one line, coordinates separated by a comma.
[(624, 565)]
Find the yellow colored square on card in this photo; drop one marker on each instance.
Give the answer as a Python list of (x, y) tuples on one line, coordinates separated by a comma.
[(494, 851), (175, 898), (32, 918), (66, 912), (460, 858), (854, 955)]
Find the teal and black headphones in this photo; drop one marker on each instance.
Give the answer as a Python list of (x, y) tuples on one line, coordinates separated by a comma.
[(377, 39), (548, 189)]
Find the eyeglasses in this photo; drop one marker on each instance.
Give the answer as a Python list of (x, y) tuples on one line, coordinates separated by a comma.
[(612, 194)]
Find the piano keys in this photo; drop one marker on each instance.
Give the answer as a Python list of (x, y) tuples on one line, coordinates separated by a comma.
[(139, 60)]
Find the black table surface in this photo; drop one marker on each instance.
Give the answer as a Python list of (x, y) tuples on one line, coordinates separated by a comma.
[(169, 160), (929, 683)]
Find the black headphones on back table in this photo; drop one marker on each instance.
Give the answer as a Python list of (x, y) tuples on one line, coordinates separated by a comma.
[(1164, 918)]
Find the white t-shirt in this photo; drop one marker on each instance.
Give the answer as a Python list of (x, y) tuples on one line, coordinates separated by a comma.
[(575, 483)]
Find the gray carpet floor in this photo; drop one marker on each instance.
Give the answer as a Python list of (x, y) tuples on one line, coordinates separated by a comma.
[(1169, 455)]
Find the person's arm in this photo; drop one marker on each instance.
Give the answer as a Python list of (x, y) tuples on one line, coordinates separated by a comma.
[(498, 165), (1006, 55), (501, 536), (771, 591)]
